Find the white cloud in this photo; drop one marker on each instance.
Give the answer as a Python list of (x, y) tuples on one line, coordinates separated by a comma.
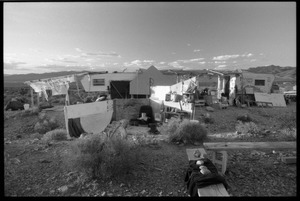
[(202, 62), (175, 64), (195, 60), (252, 60), (78, 49), (162, 62), (173, 53), (197, 50), (220, 62), (222, 66), (11, 65), (226, 57), (247, 55), (188, 44)]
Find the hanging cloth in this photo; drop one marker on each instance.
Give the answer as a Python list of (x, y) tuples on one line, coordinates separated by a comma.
[(60, 89)]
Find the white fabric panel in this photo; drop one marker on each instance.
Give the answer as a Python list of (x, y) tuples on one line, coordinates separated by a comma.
[(96, 123), (81, 110)]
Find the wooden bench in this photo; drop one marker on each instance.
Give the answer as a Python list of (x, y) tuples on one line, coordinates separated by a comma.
[(223, 147), (211, 190)]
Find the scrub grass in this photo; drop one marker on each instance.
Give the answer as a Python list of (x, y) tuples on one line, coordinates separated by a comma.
[(106, 158), (186, 131)]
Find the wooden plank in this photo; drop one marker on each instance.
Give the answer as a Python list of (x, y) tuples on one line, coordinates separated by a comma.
[(223, 146), (213, 190), (289, 160), (190, 153)]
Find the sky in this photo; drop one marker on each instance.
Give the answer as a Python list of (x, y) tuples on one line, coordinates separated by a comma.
[(126, 36)]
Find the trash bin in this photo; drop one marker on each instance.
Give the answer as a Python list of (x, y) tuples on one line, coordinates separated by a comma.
[(26, 106)]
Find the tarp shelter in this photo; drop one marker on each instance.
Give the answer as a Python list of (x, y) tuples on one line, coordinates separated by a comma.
[(88, 117), (115, 83), (58, 86), (141, 84)]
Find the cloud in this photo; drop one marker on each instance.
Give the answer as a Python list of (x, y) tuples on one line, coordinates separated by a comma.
[(247, 55), (101, 54), (197, 50), (196, 60), (222, 66), (63, 59), (253, 60), (78, 49), (55, 67), (139, 63), (175, 64), (220, 62), (226, 57), (13, 65), (173, 53), (188, 44)]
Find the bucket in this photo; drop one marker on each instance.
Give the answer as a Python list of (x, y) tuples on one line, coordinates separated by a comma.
[(26, 106)]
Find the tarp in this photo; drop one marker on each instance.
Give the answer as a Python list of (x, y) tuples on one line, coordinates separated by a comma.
[(276, 99)]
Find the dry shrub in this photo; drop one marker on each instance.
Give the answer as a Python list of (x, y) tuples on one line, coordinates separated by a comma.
[(287, 120), (30, 112), (187, 132), (101, 157), (244, 118), (57, 135), (45, 124), (288, 134), (208, 119), (247, 128)]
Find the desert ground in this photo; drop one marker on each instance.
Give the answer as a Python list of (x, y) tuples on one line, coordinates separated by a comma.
[(35, 168)]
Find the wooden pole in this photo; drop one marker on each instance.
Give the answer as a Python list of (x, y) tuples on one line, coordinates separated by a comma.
[(32, 97), (38, 98)]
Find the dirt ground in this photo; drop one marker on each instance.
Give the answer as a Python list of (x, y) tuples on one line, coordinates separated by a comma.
[(35, 168)]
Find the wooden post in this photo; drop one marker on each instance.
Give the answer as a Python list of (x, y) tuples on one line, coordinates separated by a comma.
[(32, 97), (66, 121), (38, 98), (224, 161), (67, 99)]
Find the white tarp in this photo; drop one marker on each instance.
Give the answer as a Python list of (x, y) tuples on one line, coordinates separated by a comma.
[(276, 99), (94, 117)]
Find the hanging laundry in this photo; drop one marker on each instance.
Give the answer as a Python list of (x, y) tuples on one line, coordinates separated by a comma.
[(39, 86), (59, 89)]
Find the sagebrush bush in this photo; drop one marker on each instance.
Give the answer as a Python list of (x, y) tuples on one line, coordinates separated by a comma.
[(188, 132), (287, 120), (101, 157), (244, 118), (289, 134), (208, 119), (57, 135), (30, 112), (45, 124), (247, 128)]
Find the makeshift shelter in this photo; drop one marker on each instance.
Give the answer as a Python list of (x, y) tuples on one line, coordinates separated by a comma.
[(79, 118), (58, 86), (140, 85), (117, 84)]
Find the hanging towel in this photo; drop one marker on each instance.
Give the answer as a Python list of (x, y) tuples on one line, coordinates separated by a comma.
[(75, 129)]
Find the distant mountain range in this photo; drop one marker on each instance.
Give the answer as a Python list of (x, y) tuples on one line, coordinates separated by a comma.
[(281, 74)]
